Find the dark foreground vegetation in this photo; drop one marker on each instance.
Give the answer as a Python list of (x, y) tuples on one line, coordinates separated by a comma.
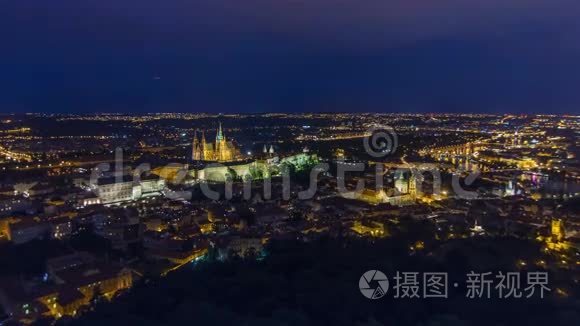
[(316, 283)]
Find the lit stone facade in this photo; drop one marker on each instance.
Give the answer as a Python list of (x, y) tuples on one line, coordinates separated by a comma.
[(220, 151)]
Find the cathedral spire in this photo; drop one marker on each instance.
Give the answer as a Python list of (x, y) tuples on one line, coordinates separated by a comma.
[(220, 134)]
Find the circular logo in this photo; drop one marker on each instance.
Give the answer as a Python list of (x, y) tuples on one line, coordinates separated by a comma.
[(373, 284), (382, 141)]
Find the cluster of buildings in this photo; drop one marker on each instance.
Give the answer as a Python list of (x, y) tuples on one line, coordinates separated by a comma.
[(139, 227), (71, 284), (114, 189)]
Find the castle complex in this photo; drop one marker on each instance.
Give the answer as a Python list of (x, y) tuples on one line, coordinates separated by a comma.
[(220, 151)]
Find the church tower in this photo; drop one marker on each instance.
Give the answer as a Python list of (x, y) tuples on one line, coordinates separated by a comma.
[(413, 185), (205, 148), (557, 230), (220, 135), (222, 151)]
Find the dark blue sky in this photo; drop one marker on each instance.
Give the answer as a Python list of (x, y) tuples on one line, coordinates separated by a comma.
[(290, 55)]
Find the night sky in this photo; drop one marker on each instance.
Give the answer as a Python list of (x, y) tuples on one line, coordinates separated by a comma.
[(290, 55)]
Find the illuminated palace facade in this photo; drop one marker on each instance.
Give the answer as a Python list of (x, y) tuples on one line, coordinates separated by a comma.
[(220, 151)]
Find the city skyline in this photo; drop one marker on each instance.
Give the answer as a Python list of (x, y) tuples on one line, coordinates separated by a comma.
[(100, 212), (290, 162)]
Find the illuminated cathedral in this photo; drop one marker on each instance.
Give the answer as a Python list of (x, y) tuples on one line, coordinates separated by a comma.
[(220, 151)]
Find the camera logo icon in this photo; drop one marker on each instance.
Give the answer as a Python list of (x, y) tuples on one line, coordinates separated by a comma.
[(373, 284)]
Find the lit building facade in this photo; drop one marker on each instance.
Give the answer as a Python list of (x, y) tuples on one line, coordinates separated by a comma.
[(112, 189), (372, 228), (220, 151)]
